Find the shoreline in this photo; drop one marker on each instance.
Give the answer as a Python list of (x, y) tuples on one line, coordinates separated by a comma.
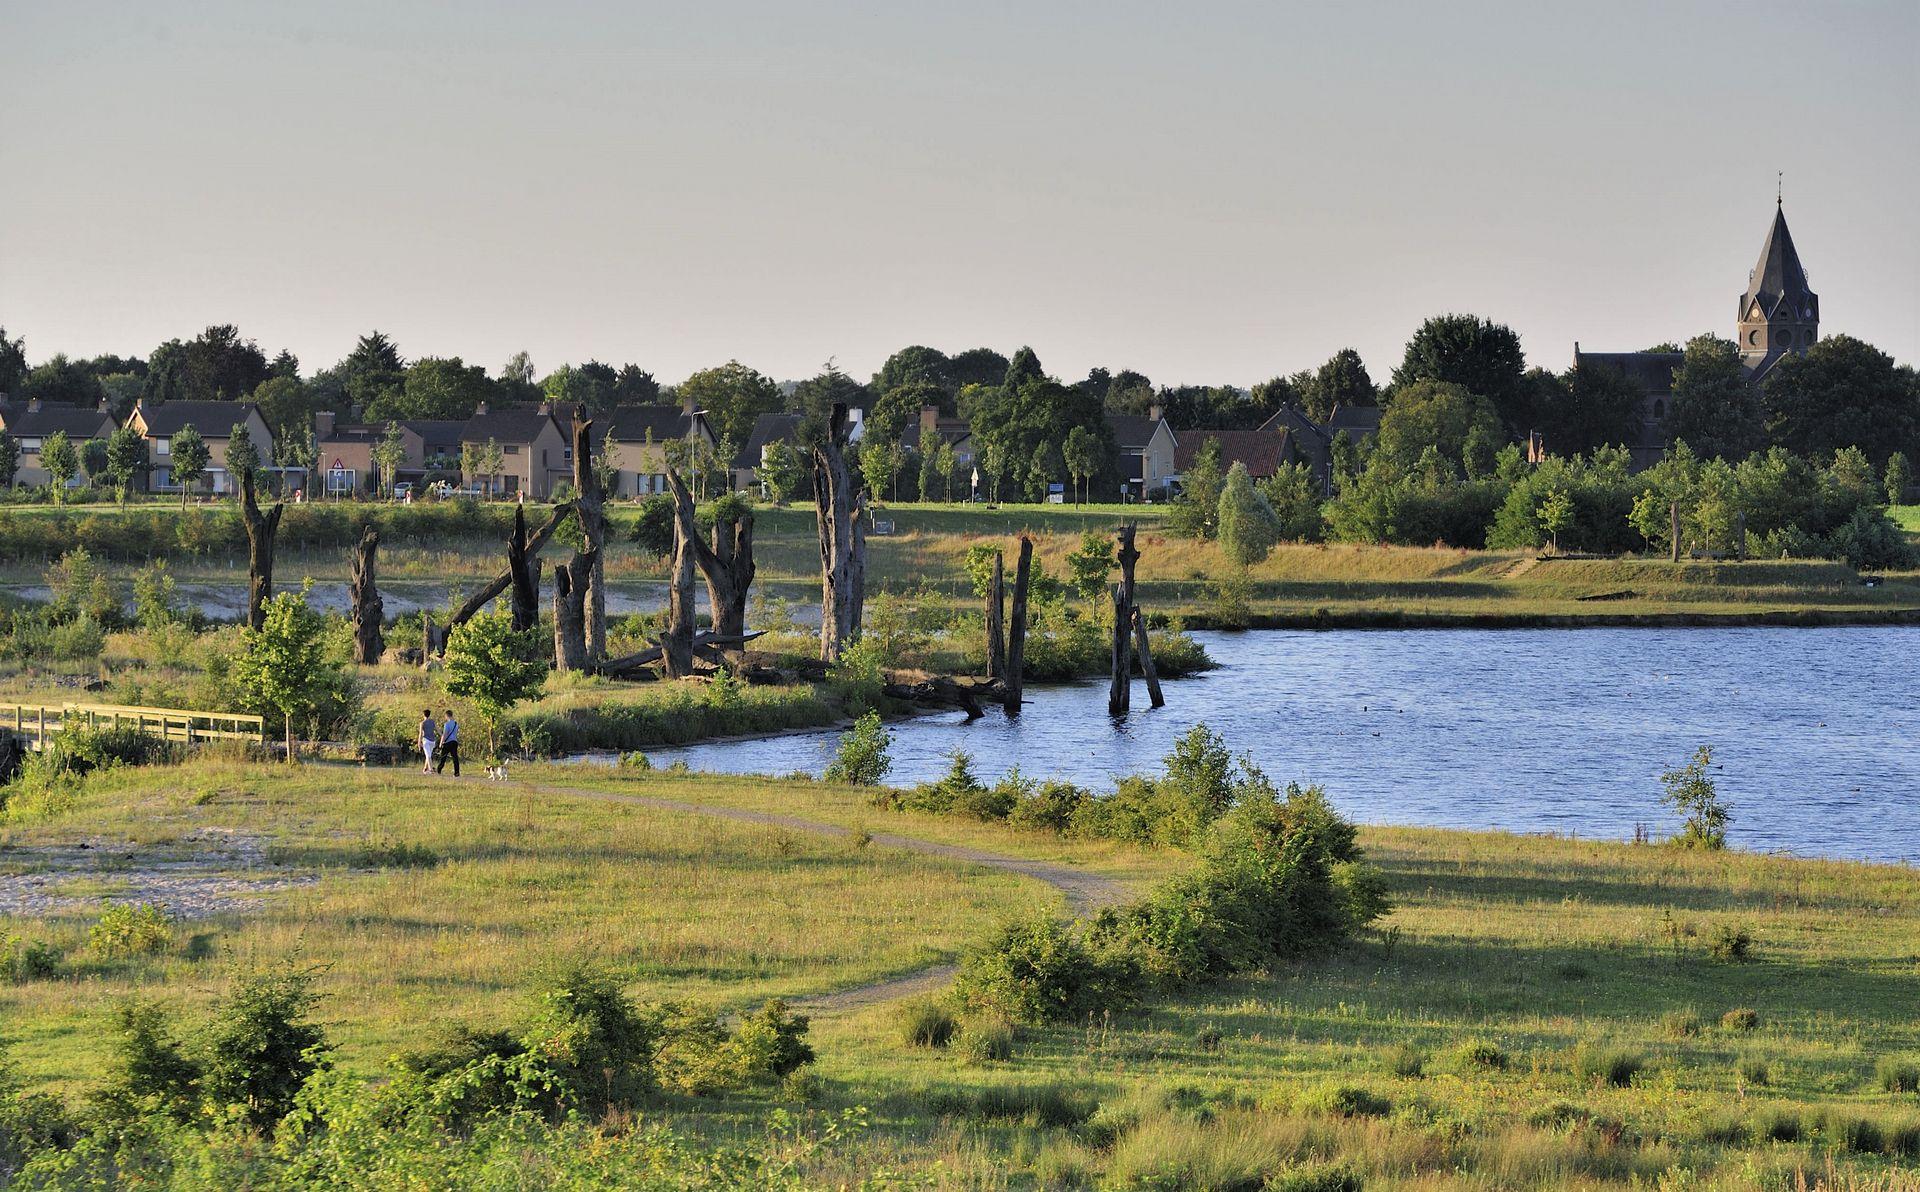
[(1328, 619)]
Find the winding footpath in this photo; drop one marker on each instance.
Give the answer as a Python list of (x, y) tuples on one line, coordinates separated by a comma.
[(1085, 892)]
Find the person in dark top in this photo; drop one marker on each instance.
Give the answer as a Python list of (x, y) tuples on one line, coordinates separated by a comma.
[(449, 745), (429, 741)]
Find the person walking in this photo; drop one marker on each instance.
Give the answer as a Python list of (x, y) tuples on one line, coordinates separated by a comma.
[(449, 745), (429, 741)]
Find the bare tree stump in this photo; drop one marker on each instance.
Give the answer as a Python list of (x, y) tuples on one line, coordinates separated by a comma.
[(500, 583), (1146, 659), (260, 533), (569, 612), (838, 504), (1017, 632), (369, 639), (593, 533), (523, 572), (1120, 688), (677, 641), (433, 640), (996, 619), (726, 562)]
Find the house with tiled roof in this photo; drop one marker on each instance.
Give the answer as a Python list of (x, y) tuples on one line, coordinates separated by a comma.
[(32, 422), (536, 451), (641, 435), (215, 421), (1146, 446), (768, 429)]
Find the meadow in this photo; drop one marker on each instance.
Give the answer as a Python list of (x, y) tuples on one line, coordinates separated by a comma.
[(1534, 1012)]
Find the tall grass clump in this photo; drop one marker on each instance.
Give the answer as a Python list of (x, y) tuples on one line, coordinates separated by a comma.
[(1898, 1074), (924, 1022), (1612, 1066)]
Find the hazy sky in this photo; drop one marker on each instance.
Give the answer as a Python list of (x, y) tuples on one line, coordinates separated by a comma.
[(1206, 192)]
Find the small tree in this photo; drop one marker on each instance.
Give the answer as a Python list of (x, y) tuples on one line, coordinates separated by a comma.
[(60, 461), (992, 461), (1247, 527), (1081, 451), (261, 1046), (1090, 566), (190, 458), (126, 459), (470, 463), (495, 668), (1899, 477), (1555, 513), (284, 663), (863, 759), (1690, 791), (945, 460), (93, 459), (493, 461), (243, 456), (779, 471), (388, 454), (876, 466), (1196, 511), (9, 459)]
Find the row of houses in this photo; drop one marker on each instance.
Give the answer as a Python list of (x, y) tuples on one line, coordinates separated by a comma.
[(529, 449)]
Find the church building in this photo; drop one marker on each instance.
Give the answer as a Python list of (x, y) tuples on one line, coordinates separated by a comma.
[(1779, 316)]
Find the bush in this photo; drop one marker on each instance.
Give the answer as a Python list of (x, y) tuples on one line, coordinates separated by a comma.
[(1898, 1074), (863, 758), (1345, 1100), (1480, 1055), (23, 960), (1316, 1177), (597, 1046), (1611, 1066), (1032, 970), (769, 1044), (1754, 1070), (926, 1023), (1051, 805), (149, 1064), (130, 929), (986, 1038), (1408, 1061), (1729, 943), (1681, 1024), (1744, 1019), (260, 1047), (1690, 791)]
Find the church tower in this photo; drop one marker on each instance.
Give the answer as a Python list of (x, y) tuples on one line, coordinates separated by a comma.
[(1778, 313)]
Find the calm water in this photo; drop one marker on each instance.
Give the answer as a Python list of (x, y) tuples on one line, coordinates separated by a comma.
[(1528, 730)]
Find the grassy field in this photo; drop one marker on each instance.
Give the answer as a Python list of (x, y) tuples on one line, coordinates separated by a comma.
[(1535, 1013)]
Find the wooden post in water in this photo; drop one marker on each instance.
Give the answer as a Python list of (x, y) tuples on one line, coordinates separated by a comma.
[(1675, 511), (1017, 632), (1120, 691), (1129, 634), (1146, 659), (997, 619)]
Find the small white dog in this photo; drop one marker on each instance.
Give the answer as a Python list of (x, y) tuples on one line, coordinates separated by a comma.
[(498, 770)]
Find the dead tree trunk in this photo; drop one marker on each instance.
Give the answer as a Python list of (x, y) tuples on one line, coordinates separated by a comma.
[(837, 505), (676, 642), (260, 532), (1017, 632), (433, 640), (726, 562), (997, 619), (504, 580), (369, 641), (1120, 689), (1675, 512), (1146, 659), (569, 612), (1129, 634), (523, 572), (593, 533)]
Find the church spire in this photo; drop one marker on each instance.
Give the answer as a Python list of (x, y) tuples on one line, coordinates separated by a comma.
[(1779, 313)]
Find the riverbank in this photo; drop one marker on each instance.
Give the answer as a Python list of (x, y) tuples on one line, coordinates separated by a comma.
[(1534, 1012)]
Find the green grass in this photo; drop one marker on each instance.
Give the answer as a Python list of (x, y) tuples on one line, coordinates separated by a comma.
[(1624, 1048)]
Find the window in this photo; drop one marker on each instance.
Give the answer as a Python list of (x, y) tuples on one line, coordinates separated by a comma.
[(1659, 408), (510, 449), (163, 447), (32, 445)]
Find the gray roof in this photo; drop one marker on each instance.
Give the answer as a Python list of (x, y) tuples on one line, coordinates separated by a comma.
[(79, 422), (514, 424), (1778, 277), (635, 423), (767, 428), (1357, 421), (1650, 372), (213, 419), (1132, 432)]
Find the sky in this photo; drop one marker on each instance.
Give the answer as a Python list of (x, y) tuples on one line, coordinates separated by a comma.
[(1210, 193)]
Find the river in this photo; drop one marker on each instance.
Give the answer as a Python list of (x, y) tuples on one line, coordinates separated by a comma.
[(1550, 730)]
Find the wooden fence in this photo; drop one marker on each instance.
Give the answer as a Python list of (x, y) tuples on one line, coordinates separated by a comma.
[(36, 724)]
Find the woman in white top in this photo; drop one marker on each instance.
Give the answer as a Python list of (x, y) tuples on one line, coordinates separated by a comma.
[(429, 741)]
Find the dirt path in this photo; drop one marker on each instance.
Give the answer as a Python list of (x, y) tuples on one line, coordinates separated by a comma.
[(1084, 891)]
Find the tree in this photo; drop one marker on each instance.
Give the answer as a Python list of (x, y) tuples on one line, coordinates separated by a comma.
[(899, 407), (1899, 477), (190, 458), (1477, 354), (1024, 367), (283, 664), (1295, 500), (1690, 791), (944, 460), (13, 362), (294, 448), (261, 1048), (1342, 381), (1841, 393), (1555, 513), (219, 365), (878, 460), (779, 472), (976, 366), (388, 454), (1592, 406), (733, 396), (490, 664), (60, 381), (434, 387), (991, 459), (916, 365), (126, 459), (285, 403), (1082, 452), (243, 454), (60, 461), (1435, 414), (9, 459), (493, 461), (1196, 511), (1247, 526), (863, 758), (635, 386), (1716, 409)]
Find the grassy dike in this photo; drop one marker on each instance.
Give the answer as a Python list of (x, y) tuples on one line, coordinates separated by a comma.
[(1535, 1013)]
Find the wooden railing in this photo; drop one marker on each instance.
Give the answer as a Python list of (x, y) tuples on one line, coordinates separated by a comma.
[(36, 724)]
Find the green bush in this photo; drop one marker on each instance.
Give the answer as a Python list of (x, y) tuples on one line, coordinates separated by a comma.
[(985, 1038), (261, 1048), (1898, 1074), (863, 758), (1316, 1177), (1033, 970), (1051, 805), (130, 929), (593, 1041), (1730, 943), (1408, 1061), (1681, 1024), (1744, 1019), (1755, 1070), (1612, 1066), (769, 1044), (1479, 1055), (23, 960), (1346, 1100), (924, 1022)]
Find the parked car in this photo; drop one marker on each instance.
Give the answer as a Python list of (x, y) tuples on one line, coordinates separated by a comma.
[(403, 491)]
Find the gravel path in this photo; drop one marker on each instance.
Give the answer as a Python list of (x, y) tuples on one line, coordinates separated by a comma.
[(212, 871), (1085, 892)]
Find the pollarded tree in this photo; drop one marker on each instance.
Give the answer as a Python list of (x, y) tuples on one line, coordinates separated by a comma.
[(494, 667), (190, 457), (1247, 527), (284, 665), (60, 461), (1716, 410)]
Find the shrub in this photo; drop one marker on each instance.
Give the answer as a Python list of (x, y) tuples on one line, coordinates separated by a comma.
[(1346, 1100), (633, 759), (986, 1038), (863, 758), (1681, 1024), (1316, 1177), (130, 929), (1690, 791), (24, 960), (925, 1023), (1606, 1065), (1744, 1019), (260, 1047), (1052, 805), (1730, 943), (596, 1044), (149, 1064), (1754, 1070), (1207, 1038), (1063, 1166), (1479, 1054), (1049, 1105), (769, 1044), (1898, 1074), (1408, 1061), (1778, 1124), (1032, 970)]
